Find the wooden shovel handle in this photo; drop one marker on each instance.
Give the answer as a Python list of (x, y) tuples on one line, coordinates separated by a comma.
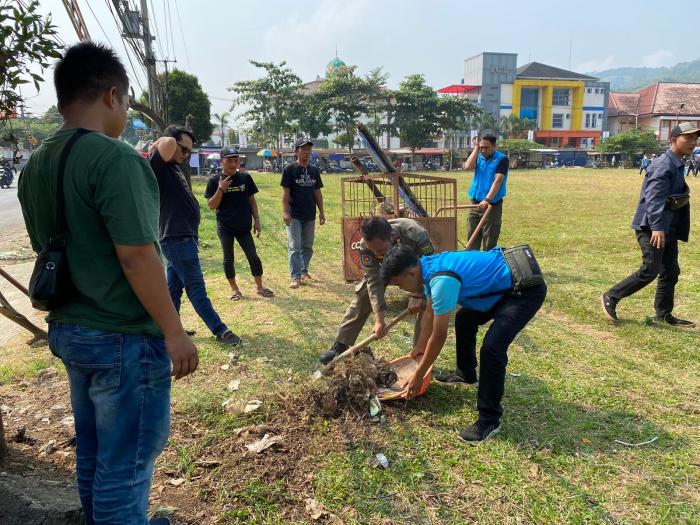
[(478, 228), (359, 346)]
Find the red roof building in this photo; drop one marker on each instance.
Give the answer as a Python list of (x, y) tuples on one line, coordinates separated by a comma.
[(658, 107)]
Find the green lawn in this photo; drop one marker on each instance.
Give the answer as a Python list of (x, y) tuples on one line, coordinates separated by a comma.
[(575, 385)]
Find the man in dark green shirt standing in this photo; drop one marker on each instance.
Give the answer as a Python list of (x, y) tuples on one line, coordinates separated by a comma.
[(117, 332)]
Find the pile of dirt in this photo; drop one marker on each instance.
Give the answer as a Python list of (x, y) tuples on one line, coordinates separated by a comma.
[(349, 384)]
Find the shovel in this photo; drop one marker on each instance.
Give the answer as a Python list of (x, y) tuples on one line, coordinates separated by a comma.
[(362, 344)]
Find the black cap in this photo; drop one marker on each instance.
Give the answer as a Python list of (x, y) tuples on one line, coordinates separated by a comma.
[(228, 151), (302, 142)]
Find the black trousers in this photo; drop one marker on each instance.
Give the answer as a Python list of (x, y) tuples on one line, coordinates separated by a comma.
[(655, 263), (510, 315), (246, 242)]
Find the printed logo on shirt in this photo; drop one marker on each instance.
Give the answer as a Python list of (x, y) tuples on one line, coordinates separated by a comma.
[(236, 188), (305, 180)]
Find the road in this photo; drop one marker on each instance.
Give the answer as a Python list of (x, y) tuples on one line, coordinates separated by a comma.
[(10, 212)]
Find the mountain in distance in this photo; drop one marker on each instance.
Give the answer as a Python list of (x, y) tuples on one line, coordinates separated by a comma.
[(634, 78)]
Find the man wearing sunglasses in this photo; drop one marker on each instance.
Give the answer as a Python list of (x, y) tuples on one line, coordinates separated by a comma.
[(179, 228)]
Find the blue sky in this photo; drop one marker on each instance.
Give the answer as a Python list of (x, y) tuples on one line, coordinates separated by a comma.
[(409, 36)]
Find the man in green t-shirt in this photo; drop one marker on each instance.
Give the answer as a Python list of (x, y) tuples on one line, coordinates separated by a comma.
[(117, 331)]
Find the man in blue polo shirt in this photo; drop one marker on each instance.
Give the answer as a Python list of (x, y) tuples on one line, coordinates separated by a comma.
[(488, 188), (482, 284)]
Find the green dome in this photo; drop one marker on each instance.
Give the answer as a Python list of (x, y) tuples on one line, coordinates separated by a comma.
[(336, 65)]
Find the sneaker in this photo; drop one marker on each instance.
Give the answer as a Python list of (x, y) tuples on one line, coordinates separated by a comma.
[(609, 304), (336, 349), (295, 283), (455, 378), (674, 321), (480, 431), (228, 338)]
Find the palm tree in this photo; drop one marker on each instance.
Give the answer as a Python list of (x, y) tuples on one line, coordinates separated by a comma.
[(221, 121)]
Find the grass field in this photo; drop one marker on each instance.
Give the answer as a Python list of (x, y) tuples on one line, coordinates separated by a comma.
[(575, 385)]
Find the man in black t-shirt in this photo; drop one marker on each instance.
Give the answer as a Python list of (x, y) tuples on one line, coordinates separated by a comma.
[(232, 195), (179, 228), (302, 194)]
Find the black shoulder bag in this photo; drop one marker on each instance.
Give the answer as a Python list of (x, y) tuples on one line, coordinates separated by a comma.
[(50, 282), (524, 269)]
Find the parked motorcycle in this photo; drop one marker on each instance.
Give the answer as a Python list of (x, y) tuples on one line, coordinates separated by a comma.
[(7, 177)]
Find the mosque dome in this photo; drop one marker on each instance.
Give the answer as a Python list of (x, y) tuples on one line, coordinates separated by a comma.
[(336, 66)]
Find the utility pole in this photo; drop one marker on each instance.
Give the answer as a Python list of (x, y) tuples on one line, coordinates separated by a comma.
[(150, 60), (165, 113), (27, 126)]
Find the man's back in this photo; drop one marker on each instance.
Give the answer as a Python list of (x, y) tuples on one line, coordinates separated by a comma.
[(111, 197)]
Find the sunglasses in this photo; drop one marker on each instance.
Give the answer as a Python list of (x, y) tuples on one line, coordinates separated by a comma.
[(185, 150)]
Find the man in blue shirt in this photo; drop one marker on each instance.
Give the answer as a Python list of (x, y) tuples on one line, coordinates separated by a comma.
[(488, 188), (661, 220), (481, 283)]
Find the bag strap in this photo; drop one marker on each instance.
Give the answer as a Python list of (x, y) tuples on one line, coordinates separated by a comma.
[(61, 226), (480, 296)]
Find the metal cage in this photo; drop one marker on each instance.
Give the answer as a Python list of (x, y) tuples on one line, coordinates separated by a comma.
[(430, 200)]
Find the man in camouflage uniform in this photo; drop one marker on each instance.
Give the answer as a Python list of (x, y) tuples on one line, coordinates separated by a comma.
[(379, 235)]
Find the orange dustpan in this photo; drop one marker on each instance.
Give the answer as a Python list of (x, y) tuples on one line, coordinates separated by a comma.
[(404, 367)]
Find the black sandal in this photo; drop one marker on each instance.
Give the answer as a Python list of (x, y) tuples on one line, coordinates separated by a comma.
[(237, 296), (265, 292)]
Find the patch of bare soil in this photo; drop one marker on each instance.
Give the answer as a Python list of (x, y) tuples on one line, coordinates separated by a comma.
[(205, 474)]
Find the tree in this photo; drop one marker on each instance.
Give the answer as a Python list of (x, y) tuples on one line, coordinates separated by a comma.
[(416, 112), (186, 96), (344, 95), (485, 122), (378, 99), (222, 120), (517, 146), (272, 101), (28, 39), (310, 116), (454, 115), (631, 142), (513, 127)]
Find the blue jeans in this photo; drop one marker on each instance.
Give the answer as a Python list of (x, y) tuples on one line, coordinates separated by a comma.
[(300, 246), (120, 393), (185, 273)]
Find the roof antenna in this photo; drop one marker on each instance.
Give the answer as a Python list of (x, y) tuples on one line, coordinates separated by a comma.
[(336, 51)]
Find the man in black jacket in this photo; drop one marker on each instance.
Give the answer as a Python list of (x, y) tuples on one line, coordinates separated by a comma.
[(662, 219)]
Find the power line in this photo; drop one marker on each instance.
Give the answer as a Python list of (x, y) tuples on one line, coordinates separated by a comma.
[(184, 43), (169, 18), (155, 25), (126, 51), (99, 24)]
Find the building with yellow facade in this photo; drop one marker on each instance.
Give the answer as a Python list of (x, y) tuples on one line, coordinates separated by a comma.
[(567, 109)]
